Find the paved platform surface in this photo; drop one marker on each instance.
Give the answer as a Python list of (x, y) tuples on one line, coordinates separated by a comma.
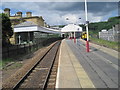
[(102, 48), (79, 69), (71, 74)]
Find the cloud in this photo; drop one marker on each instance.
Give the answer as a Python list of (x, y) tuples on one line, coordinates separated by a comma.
[(59, 0), (56, 12), (1, 11), (70, 18), (102, 7)]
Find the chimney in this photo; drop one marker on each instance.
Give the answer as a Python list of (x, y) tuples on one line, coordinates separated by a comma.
[(7, 11), (19, 14), (29, 14)]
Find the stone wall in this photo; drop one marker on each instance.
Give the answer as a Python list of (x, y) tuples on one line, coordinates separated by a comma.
[(111, 34)]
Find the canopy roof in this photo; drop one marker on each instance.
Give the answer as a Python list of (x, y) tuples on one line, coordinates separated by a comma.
[(29, 26), (71, 28)]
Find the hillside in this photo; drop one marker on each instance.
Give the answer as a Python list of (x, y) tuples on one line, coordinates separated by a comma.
[(94, 28), (98, 26)]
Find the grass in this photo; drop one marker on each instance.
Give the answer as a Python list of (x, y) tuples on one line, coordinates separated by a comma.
[(109, 44), (4, 62), (14, 66)]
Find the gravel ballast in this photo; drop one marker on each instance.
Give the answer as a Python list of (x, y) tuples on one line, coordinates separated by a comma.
[(13, 79)]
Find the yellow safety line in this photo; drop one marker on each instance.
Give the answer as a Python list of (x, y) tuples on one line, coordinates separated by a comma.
[(84, 79)]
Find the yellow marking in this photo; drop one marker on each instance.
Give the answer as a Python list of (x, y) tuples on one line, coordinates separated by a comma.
[(84, 79)]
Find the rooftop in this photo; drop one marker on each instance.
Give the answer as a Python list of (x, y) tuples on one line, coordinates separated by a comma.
[(71, 28), (27, 23)]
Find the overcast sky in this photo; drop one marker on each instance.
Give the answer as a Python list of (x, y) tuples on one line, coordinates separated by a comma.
[(55, 13)]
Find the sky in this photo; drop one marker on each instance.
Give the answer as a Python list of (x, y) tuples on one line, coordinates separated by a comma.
[(55, 13)]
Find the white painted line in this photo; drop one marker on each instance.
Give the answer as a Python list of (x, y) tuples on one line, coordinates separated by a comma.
[(107, 61), (58, 71), (104, 49)]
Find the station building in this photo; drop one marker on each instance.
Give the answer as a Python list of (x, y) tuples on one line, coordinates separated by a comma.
[(30, 32), (18, 18)]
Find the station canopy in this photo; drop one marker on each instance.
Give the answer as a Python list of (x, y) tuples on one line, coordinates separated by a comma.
[(30, 26), (71, 28)]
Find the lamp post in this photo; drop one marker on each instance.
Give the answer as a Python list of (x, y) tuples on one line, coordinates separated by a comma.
[(87, 42), (70, 32), (73, 33)]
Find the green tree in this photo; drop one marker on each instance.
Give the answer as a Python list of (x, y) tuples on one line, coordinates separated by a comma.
[(7, 31), (95, 27)]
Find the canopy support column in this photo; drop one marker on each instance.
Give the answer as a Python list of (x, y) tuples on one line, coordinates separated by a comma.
[(74, 37)]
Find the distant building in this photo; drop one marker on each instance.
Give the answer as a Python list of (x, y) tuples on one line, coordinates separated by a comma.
[(71, 30), (111, 34), (18, 18)]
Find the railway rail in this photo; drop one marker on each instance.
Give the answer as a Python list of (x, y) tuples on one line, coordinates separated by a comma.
[(42, 72)]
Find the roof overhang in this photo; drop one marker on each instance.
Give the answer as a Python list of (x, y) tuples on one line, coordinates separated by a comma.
[(71, 28), (26, 29), (36, 29)]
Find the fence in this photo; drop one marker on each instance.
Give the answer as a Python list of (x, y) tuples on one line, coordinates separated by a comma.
[(13, 51)]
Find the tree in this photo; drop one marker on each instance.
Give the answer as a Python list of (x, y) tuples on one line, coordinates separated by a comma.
[(7, 31)]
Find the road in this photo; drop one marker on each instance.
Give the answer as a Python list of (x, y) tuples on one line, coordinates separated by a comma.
[(101, 67)]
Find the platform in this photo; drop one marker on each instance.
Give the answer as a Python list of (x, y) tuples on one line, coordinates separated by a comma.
[(70, 73), (79, 69)]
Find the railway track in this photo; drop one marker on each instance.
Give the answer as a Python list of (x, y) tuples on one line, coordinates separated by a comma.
[(43, 74)]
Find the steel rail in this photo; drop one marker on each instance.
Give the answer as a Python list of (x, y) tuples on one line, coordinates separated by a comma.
[(31, 69), (48, 74)]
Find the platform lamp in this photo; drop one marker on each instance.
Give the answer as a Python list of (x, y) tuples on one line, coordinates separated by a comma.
[(87, 41), (75, 40), (70, 32)]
